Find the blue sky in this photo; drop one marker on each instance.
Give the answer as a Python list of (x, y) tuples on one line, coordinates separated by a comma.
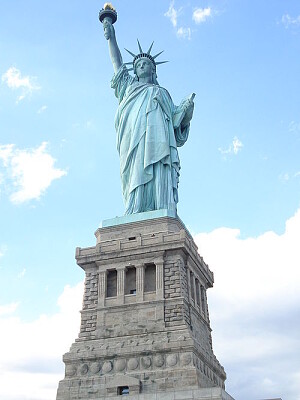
[(239, 186)]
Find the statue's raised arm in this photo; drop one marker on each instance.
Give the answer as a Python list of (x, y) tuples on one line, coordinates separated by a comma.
[(150, 127), (108, 16)]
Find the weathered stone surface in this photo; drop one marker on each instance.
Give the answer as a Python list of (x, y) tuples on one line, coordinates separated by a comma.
[(158, 341)]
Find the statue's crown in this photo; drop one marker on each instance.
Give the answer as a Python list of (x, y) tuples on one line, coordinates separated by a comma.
[(142, 54)]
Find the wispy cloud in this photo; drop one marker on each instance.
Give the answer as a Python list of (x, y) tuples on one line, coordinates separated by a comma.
[(22, 273), (285, 176), (42, 109), (294, 127), (8, 308), (15, 81), (184, 33), (28, 172), (200, 15), (172, 14), (87, 125), (3, 248), (234, 147), (290, 22)]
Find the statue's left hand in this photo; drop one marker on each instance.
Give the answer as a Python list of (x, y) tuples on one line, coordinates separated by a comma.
[(189, 109)]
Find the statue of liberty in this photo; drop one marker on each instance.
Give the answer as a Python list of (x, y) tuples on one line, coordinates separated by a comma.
[(149, 129)]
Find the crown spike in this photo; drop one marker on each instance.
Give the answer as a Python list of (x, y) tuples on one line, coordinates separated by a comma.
[(128, 51), (161, 62), (154, 57), (140, 47), (128, 63), (150, 48)]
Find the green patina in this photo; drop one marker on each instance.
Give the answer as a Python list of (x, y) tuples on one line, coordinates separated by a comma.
[(149, 129)]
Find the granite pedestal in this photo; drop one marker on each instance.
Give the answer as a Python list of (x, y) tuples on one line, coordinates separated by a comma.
[(145, 330)]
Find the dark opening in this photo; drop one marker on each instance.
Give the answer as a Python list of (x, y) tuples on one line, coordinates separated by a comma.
[(202, 298), (150, 278), (132, 238), (197, 291), (130, 280), (192, 285), (111, 289), (123, 390)]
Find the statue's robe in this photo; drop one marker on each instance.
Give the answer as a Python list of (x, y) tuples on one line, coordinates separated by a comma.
[(148, 127)]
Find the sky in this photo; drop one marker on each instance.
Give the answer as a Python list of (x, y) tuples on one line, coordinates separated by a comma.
[(239, 190)]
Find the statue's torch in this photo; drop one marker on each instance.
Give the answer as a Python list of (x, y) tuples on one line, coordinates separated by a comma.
[(108, 13)]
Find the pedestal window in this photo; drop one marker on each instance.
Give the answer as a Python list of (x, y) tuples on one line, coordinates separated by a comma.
[(111, 286), (150, 278), (130, 280)]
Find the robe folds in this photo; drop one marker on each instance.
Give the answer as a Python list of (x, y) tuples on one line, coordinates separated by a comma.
[(148, 127)]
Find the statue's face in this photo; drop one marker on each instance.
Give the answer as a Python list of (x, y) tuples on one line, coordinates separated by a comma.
[(144, 68)]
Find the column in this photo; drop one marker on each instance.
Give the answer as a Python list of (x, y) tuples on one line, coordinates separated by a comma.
[(206, 306), (120, 285), (188, 274), (159, 280), (203, 301), (140, 274), (102, 288)]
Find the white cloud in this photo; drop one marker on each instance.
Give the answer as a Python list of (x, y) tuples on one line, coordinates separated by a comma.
[(15, 81), (294, 127), (289, 21), (236, 145), (233, 148), (184, 33), (30, 171), (254, 308), (284, 177), (5, 153), (241, 262), (3, 248), (8, 308), (172, 14), (202, 14), (42, 109), (33, 358), (89, 124), (22, 273)]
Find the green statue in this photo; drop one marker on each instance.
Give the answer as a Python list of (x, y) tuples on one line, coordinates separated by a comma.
[(149, 129)]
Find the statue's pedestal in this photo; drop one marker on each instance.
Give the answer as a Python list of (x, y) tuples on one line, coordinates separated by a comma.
[(145, 329)]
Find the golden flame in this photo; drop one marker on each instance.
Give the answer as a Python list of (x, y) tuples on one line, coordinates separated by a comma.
[(108, 6)]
